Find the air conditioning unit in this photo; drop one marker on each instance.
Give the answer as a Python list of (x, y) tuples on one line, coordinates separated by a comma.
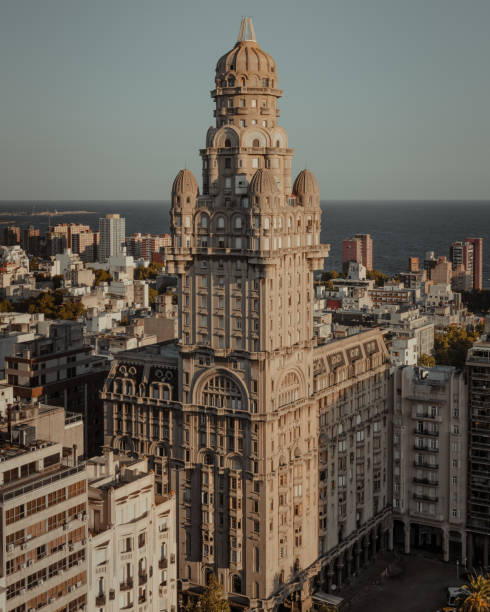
[(72, 588), (61, 571), (32, 610), (28, 536), (85, 516), (23, 546), (29, 562), (80, 516), (22, 591), (10, 548), (40, 581), (52, 599), (66, 526), (22, 566), (84, 542), (79, 584), (71, 547)]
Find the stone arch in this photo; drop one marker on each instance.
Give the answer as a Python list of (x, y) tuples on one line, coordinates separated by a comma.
[(219, 222), (220, 388), (207, 457), (279, 138), (234, 462), (224, 134), (238, 222), (291, 387), (250, 135), (124, 444), (210, 136)]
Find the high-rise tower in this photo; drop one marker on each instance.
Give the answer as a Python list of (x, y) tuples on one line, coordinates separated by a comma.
[(278, 448), (245, 251)]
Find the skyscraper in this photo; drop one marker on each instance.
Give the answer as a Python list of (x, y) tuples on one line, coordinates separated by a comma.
[(277, 448), (477, 261), (112, 229)]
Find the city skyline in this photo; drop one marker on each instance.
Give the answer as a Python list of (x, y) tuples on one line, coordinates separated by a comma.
[(389, 99)]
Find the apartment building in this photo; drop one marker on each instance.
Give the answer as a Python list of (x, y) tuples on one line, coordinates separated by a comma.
[(58, 368), (133, 551), (478, 505), (430, 446), (43, 502)]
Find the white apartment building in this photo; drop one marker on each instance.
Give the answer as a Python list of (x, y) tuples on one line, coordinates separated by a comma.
[(132, 542), (112, 230)]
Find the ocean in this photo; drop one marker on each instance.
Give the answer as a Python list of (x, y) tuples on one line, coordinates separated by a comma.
[(399, 229)]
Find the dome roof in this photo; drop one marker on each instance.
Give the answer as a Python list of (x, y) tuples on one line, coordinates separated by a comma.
[(185, 182), (246, 55), (305, 183), (263, 182)]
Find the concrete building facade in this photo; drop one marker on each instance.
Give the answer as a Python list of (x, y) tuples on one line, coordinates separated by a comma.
[(430, 432)]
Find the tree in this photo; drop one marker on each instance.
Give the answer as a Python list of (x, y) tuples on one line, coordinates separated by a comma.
[(6, 306), (211, 600), (452, 344), (101, 276), (152, 295), (150, 272), (378, 277), (428, 361), (477, 594)]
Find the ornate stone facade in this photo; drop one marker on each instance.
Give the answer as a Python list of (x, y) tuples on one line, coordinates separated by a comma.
[(257, 429)]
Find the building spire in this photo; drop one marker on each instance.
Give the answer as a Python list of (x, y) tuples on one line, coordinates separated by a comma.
[(247, 31)]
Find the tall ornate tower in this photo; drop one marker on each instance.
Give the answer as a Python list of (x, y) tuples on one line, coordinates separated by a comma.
[(244, 251)]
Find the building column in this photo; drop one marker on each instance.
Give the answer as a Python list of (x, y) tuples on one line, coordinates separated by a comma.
[(464, 553), (340, 567), (469, 550), (357, 556), (390, 537), (445, 545), (406, 533)]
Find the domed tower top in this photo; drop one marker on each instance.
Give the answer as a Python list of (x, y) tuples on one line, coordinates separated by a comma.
[(185, 183), (306, 189), (246, 82), (246, 61)]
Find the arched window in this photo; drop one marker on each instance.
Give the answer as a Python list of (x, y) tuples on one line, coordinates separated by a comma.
[(266, 223), (227, 142), (221, 222), (256, 142), (244, 82), (117, 386), (161, 451), (278, 143), (221, 391), (231, 81), (238, 223), (290, 389), (203, 220), (129, 388), (236, 584)]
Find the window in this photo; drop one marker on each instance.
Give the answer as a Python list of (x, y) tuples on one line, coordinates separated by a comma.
[(255, 162)]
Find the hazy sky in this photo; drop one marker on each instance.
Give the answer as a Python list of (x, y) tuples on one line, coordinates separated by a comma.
[(108, 99)]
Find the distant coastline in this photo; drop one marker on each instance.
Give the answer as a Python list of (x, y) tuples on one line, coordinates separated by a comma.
[(45, 213)]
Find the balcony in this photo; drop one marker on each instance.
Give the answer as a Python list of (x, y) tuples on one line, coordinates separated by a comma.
[(100, 600), (426, 449), (426, 432), (143, 577), (426, 481), (432, 466), (163, 563), (425, 497), (126, 585)]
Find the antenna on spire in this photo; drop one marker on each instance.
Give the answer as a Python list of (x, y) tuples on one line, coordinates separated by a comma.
[(247, 32)]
